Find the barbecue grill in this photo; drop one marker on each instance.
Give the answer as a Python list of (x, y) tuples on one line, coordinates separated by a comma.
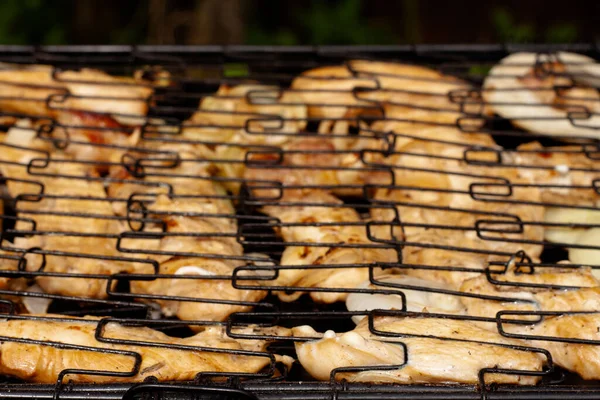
[(197, 72)]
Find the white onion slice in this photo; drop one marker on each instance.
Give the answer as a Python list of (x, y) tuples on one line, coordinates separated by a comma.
[(587, 256), (559, 215), (416, 300), (193, 270), (36, 305)]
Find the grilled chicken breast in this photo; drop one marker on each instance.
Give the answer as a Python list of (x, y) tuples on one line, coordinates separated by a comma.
[(583, 359), (420, 350), (71, 344), (342, 226)]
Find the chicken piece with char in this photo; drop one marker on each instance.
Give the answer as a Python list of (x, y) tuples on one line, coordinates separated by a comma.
[(43, 363), (420, 350)]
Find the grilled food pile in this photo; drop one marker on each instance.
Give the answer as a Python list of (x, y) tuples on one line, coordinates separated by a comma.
[(423, 203)]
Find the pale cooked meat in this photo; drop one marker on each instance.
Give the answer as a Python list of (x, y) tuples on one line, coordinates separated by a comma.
[(530, 298), (330, 92), (583, 359), (573, 170), (432, 192), (455, 351), (201, 238), (20, 148), (318, 162), (93, 137), (203, 295), (534, 92), (567, 167), (43, 363), (583, 69), (25, 89), (232, 107), (240, 118), (308, 217), (412, 92)]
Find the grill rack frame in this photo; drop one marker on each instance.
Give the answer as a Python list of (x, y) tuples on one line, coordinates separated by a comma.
[(64, 55)]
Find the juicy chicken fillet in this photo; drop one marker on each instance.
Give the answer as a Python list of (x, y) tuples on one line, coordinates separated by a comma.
[(307, 217), (574, 171), (89, 105), (204, 216), (412, 92), (432, 188), (317, 161), (331, 92), (567, 166), (536, 93), (25, 89), (584, 295), (453, 351), (583, 359), (43, 363), (235, 118), (89, 224)]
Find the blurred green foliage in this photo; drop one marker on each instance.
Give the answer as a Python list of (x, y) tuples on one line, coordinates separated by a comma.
[(508, 31), (32, 21), (318, 22)]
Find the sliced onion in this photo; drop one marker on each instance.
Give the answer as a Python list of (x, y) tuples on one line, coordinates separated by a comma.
[(560, 215), (416, 300), (588, 257), (36, 305), (193, 270)]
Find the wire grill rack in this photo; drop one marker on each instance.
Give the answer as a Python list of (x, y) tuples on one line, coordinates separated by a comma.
[(119, 207)]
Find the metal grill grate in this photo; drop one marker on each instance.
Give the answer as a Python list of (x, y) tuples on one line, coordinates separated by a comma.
[(243, 190)]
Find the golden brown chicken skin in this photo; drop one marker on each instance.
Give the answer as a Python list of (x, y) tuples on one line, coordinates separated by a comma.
[(201, 241), (344, 227), (455, 351), (42, 363), (62, 195), (584, 359), (452, 210)]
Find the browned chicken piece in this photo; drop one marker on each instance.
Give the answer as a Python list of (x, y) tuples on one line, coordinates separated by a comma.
[(345, 227), (223, 116), (93, 137), (199, 219), (586, 298), (566, 166), (584, 359), (317, 162), (208, 297), (433, 188), (573, 171), (412, 92), (235, 118), (43, 90), (97, 219), (536, 93), (332, 92), (43, 363), (447, 351), (91, 107)]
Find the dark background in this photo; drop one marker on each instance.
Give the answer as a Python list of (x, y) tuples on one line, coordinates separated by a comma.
[(280, 22)]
